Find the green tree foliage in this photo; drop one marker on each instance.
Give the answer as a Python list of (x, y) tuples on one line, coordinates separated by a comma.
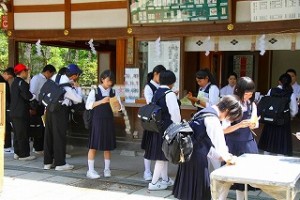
[(59, 57)]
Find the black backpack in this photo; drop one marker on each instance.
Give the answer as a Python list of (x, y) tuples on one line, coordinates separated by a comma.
[(150, 116), (52, 94), (274, 109), (177, 144)]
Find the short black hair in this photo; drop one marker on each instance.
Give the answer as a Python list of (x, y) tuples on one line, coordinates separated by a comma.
[(10, 71), (232, 74), (62, 71), (49, 68), (243, 85), (107, 74), (203, 73), (167, 77), (291, 70)]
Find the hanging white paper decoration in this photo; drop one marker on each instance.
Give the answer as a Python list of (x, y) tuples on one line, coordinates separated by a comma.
[(89, 56), (207, 45), (38, 48), (157, 47), (28, 51), (92, 46), (262, 44)]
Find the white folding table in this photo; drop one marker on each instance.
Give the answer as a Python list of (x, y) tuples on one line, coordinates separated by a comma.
[(278, 176)]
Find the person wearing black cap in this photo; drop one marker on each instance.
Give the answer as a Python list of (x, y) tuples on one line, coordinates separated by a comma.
[(37, 110), (19, 112), (7, 76), (57, 121)]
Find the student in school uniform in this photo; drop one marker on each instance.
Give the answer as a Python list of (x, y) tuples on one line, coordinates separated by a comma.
[(150, 89), (229, 89), (37, 128), (56, 124), (102, 135), (192, 180), (208, 90), (274, 138), (238, 134), (167, 100)]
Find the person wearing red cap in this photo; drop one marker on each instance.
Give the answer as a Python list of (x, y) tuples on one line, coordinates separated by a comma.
[(19, 112), (57, 121)]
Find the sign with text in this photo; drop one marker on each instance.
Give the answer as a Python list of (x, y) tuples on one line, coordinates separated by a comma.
[(178, 11), (274, 10), (4, 22)]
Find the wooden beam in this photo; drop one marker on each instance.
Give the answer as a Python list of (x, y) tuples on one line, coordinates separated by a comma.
[(10, 15), (120, 61), (40, 8), (78, 34), (99, 6), (73, 7), (67, 14)]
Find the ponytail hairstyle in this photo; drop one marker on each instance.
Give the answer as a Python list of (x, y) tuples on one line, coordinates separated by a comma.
[(158, 68), (232, 105), (286, 80)]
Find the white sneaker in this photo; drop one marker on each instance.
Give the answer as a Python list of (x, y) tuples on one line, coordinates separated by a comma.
[(48, 166), (157, 186), (38, 152), (27, 158), (64, 167), (16, 157), (147, 176), (168, 183), (92, 174), (107, 173), (8, 150)]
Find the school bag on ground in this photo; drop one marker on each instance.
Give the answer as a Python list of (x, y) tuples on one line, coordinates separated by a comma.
[(52, 93), (177, 144), (150, 115), (274, 109)]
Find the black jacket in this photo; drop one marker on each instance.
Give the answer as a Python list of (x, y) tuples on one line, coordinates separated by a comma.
[(20, 96), (2, 80)]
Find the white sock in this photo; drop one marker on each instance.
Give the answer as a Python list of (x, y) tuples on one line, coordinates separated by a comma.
[(147, 164), (164, 172), (91, 164), (240, 195), (106, 164), (159, 165)]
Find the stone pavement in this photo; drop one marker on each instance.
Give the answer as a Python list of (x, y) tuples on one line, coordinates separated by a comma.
[(26, 180)]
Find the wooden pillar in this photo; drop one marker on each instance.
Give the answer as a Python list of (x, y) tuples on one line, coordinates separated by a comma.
[(13, 53), (204, 61), (2, 131), (120, 61)]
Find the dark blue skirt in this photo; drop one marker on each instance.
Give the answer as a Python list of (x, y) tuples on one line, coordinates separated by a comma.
[(192, 180), (276, 139), (146, 139), (102, 135), (153, 149)]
